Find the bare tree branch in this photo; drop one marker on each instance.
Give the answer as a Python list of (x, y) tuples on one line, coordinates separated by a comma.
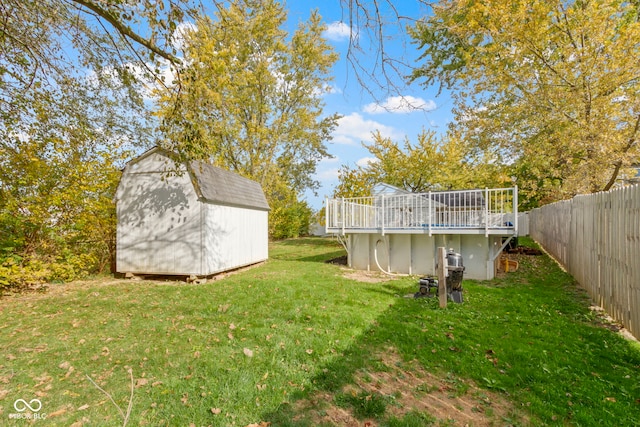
[(126, 31)]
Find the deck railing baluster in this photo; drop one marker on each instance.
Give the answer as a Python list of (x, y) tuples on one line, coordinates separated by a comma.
[(467, 211)]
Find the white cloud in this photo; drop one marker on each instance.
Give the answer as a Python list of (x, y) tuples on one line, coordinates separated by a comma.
[(366, 161), (353, 129), (400, 105), (329, 160), (179, 36), (337, 31), (332, 89), (328, 175)]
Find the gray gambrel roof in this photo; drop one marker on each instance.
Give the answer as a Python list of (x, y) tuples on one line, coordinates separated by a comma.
[(220, 186), (216, 185)]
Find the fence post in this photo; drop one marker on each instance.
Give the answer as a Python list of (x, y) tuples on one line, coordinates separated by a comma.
[(442, 276)]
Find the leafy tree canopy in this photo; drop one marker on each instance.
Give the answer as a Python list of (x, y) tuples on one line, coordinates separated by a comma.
[(250, 98), (71, 105), (430, 164), (550, 87)]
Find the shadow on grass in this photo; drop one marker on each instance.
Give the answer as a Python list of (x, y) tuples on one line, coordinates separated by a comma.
[(311, 241), (528, 337), (324, 257), (307, 249)]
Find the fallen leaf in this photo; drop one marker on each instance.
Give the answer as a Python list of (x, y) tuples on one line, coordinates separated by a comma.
[(610, 399), (232, 326), (196, 355), (309, 351), (184, 399), (216, 411), (247, 352), (64, 365), (83, 407), (56, 413), (230, 335), (141, 382)]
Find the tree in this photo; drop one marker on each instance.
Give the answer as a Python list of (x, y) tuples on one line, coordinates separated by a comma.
[(431, 164), (548, 86), (71, 103), (250, 98), (57, 179)]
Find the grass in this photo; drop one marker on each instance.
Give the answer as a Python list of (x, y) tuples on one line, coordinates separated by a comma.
[(295, 342)]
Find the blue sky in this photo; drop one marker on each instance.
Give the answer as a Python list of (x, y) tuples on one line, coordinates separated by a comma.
[(362, 111)]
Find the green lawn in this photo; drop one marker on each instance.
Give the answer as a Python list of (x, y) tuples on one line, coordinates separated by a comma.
[(296, 342)]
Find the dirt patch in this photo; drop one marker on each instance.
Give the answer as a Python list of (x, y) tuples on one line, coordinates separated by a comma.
[(409, 388), (603, 320), (524, 250), (367, 276), (57, 289), (62, 289)]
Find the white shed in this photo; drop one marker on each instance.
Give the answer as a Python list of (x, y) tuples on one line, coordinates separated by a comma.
[(179, 218)]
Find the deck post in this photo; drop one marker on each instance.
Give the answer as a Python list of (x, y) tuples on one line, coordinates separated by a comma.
[(327, 215), (429, 219), (486, 212), (382, 225), (343, 218), (515, 210), (441, 262)]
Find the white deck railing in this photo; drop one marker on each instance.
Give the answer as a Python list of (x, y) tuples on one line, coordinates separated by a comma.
[(488, 211)]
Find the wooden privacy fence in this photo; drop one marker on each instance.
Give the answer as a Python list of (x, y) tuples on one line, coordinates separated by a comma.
[(596, 238)]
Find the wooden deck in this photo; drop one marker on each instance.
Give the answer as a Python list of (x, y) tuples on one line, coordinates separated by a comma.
[(487, 211)]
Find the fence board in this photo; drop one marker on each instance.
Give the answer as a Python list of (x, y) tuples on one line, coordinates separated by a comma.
[(596, 238)]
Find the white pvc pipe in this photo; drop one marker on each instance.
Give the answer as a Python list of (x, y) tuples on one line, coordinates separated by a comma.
[(375, 256)]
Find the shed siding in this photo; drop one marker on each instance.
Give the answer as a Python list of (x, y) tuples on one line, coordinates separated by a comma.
[(166, 226), (158, 220), (233, 237)]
